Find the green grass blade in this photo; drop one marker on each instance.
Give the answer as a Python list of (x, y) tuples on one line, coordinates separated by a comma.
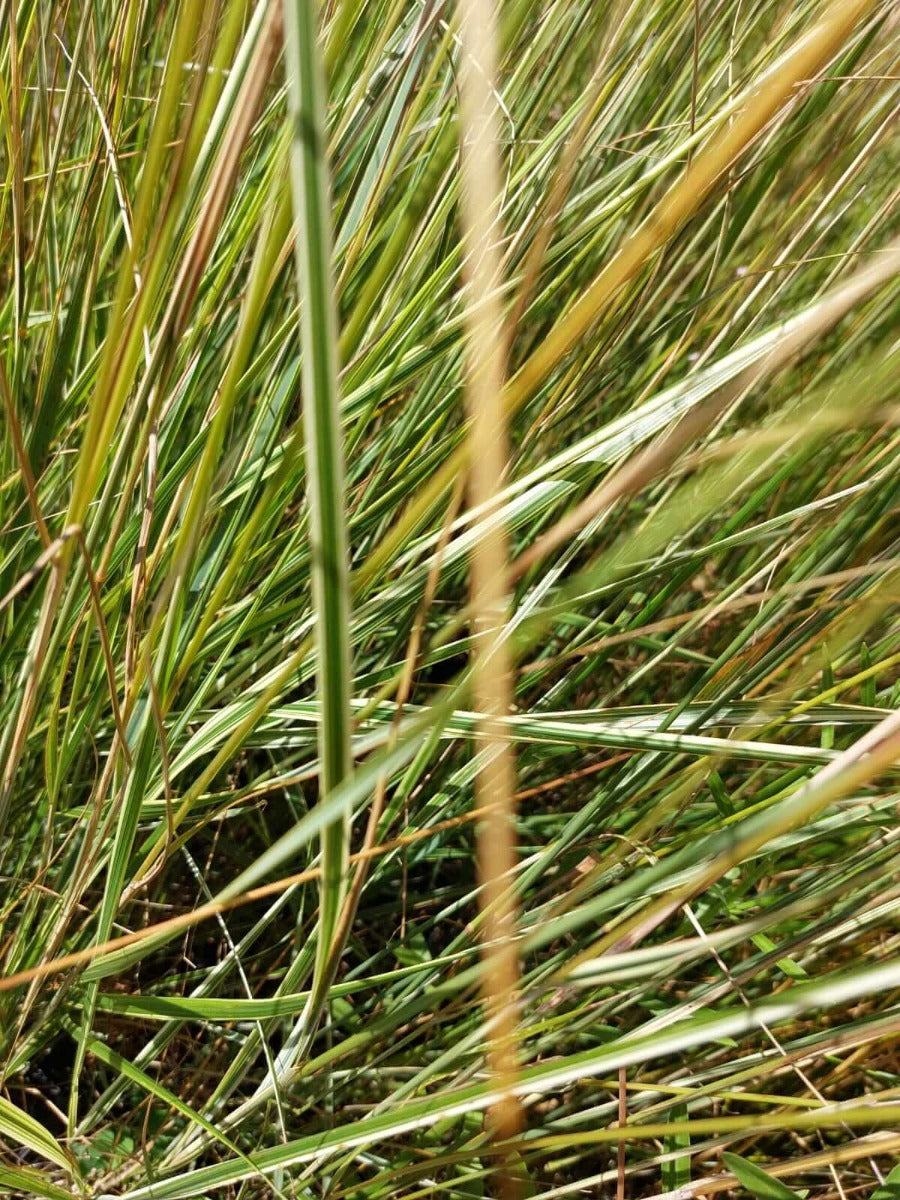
[(23, 1129), (324, 450)]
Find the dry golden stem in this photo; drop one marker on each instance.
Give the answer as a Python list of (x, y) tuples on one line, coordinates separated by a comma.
[(496, 782)]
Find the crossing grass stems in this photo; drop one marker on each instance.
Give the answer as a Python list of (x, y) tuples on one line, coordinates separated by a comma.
[(448, 584)]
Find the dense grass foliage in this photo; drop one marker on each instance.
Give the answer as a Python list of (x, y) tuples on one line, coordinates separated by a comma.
[(252, 685)]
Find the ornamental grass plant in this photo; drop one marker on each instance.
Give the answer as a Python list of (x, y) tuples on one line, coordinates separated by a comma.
[(449, 577)]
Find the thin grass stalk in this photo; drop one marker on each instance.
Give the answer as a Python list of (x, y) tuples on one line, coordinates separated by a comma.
[(324, 453), (495, 783)]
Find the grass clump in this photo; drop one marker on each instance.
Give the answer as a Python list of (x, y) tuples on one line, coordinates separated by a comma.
[(437, 436)]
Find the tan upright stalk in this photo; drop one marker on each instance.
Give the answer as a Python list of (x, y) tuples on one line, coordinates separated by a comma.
[(495, 783)]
